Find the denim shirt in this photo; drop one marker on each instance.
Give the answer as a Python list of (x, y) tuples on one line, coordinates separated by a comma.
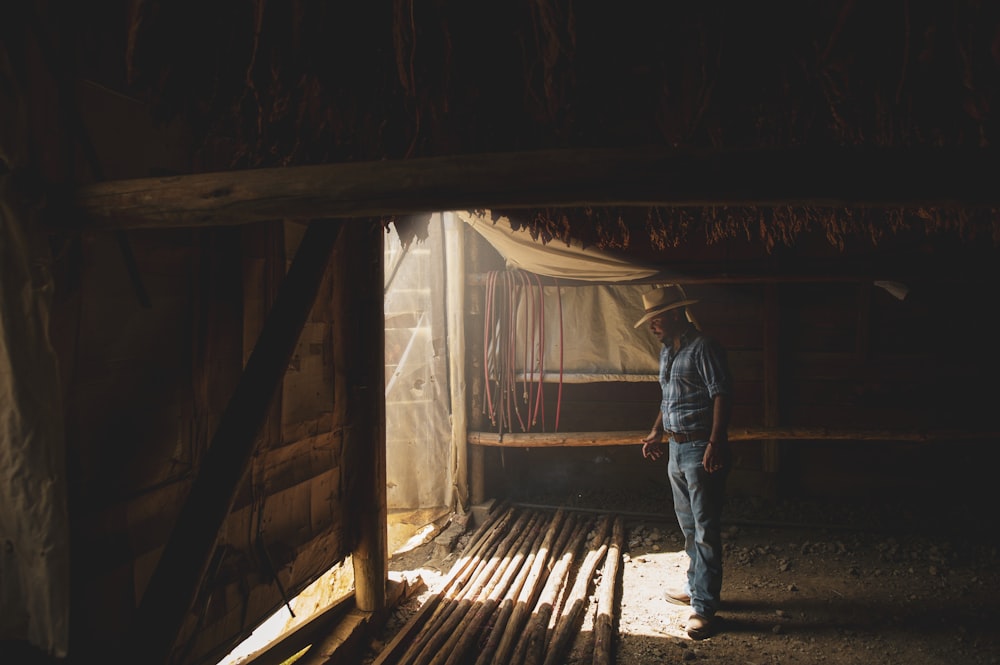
[(690, 379)]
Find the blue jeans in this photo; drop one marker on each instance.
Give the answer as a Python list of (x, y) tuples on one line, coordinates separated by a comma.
[(698, 499)]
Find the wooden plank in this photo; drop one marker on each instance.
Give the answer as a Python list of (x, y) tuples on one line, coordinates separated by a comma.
[(633, 438), (179, 573), (585, 177), (343, 644)]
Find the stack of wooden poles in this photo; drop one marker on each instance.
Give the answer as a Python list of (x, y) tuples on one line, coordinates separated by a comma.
[(518, 593)]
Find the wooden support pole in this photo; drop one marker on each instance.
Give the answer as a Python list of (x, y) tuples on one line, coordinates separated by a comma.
[(178, 575), (474, 365), (638, 176), (360, 256), (863, 347), (771, 449)]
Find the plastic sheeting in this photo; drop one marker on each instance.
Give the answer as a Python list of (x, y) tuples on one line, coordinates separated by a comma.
[(421, 453), (34, 520)]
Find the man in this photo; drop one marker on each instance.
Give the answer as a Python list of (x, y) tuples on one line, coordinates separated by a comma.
[(694, 417)]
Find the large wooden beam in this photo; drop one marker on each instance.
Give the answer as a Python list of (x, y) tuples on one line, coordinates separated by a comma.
[(178, 575), (641, 177), (571, 439)]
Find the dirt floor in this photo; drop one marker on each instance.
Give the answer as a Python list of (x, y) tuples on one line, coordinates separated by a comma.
[(804, 583)]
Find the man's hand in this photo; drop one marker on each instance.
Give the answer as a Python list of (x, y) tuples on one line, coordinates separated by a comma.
[(652, 448), (716, 456)]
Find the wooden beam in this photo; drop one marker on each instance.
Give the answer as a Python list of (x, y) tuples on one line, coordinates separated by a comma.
[(634, 438), (178, 575), (585, 177)]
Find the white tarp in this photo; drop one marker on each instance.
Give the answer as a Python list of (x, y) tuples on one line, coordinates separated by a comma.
[(34, 521), (588, 329), (597, 339), (34, 517), (554, 259)]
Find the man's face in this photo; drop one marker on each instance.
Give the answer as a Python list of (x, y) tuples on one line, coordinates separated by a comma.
[(660, 325), (664, 326)]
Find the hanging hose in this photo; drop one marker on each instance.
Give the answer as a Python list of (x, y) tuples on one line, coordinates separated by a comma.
[(504, 293), (488, 317), (540, 399), (562, 346)]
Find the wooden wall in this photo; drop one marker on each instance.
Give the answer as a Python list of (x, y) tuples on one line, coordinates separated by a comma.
[(145, 389)]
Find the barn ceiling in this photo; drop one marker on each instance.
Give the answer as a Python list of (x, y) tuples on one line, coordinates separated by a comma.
[(310, 82)]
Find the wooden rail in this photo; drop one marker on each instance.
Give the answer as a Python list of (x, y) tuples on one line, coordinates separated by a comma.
[(628, 438)]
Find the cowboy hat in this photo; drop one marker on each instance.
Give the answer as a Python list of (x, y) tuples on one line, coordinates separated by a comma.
[(661, 300)]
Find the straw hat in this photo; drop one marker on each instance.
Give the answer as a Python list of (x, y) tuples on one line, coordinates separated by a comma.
[(661, 300)]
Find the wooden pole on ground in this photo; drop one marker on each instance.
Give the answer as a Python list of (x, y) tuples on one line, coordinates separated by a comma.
[(470, 594), (532, 642), (443, 609), (461, 640), (531, 587), (509, 600), (466, 562), (576, 601), (604, 622)]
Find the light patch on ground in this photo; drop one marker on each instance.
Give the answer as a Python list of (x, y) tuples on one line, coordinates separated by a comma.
[(645, 578)]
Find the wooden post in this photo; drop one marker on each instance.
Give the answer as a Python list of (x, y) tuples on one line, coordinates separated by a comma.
[(864, 344), (360, 268), (771, 449), (474, 368), (178, 575)]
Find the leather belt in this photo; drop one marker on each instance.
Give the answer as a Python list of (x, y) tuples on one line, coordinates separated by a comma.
[(684, 437)]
